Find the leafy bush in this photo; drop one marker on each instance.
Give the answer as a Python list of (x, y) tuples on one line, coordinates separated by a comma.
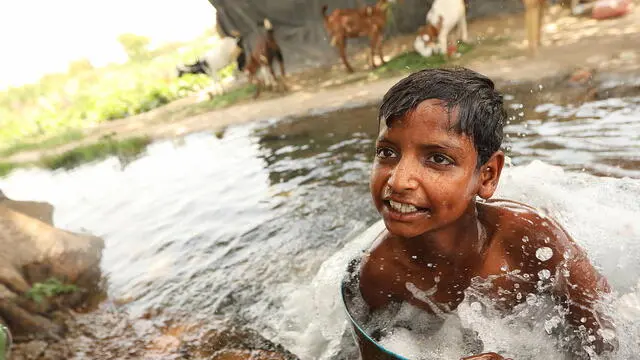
[(64, 103), (48, 289)]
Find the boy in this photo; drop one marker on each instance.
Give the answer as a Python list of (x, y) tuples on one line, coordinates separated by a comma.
[(438, 149)]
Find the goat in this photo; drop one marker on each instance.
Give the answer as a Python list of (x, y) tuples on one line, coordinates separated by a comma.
[(443, 16), (368, 21), (228, 50), (262, 56)]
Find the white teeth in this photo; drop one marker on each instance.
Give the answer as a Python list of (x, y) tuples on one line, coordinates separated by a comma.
[(403, 208)]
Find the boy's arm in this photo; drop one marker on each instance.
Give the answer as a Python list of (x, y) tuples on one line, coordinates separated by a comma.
[(581, 287)]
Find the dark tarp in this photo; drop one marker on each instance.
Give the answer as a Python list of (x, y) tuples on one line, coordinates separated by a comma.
[(299, 28)]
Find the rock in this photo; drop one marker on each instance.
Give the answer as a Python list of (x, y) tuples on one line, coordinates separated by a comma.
[(29, 351), (38, 210), (33, 251), (581, 77), (29, 242)]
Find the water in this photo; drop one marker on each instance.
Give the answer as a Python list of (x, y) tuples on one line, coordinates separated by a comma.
[(256, 226)]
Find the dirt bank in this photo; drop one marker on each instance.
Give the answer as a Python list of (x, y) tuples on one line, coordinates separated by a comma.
[(569, 43)]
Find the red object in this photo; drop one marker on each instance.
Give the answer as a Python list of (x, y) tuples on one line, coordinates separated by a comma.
[(452, 49), (607, 9)]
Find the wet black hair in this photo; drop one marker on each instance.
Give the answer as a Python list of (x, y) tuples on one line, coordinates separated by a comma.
[(481, 113)]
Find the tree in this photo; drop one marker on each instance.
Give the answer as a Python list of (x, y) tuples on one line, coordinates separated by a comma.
[(135, 46), (78, 66)]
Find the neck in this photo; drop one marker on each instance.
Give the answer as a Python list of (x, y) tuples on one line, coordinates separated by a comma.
[(459, 241)]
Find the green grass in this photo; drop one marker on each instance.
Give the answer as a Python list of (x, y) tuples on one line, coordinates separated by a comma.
[(126, 150), (412, 61), (50, 288), (230, 97), (48, 143), (6, 168)]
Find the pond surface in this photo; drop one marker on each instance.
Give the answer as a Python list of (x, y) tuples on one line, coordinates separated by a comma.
[(252, 224)]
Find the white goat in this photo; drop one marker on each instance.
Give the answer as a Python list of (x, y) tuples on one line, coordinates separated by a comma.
[(443, 16), (227, 50)]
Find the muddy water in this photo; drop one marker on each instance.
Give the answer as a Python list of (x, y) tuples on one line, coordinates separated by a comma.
[(231, 224)]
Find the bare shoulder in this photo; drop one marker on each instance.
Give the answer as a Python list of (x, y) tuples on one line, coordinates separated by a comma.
[(525, 233)]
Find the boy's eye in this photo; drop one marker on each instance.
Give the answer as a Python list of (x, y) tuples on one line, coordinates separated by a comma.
[(384, 153), (441, 159)]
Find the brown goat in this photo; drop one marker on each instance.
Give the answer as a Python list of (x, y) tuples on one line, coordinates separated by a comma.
[(368, 21), (264, 53)]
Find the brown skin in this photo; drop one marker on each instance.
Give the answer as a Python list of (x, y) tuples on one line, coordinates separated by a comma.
[(422, 160), (368, 21)]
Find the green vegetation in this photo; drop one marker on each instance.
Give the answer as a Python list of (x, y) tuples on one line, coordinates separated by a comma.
[(412, 61), (136, 46), (230, 97), (6, 168), (47, 143), (126, 150), (56, 109), (48, 289)]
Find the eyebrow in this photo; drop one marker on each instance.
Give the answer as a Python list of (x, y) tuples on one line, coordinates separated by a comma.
[(445, 145)]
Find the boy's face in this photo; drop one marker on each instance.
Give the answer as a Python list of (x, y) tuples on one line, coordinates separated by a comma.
[(424, 175)]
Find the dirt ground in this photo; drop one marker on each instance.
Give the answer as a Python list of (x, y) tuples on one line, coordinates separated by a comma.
[(569, 43)]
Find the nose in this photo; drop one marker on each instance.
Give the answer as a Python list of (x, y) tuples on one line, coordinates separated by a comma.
[(404, 176)]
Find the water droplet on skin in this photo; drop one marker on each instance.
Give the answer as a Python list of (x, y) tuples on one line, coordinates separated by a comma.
[(551, 324), (544, 274), (429, 265), (544, 253), (583, 320), (414, 257), (519, 296), (504, 267), (531, 299), (525, 239), (476, 306), (516, 285), (436, 279)]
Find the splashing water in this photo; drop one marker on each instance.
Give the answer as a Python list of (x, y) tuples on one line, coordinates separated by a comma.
[(600, 213)]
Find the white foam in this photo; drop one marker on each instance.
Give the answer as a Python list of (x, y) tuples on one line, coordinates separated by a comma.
[(600, 213)]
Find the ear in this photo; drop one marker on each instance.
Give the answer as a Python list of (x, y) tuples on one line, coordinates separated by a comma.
[(490, 174)]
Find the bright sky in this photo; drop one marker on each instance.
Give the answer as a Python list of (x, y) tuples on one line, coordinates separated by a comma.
[(43, 36)]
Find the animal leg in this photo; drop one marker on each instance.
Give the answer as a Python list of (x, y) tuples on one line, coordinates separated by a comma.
[(257, 82), (372, 45), (463, 28), (280, 58), (341, 47), (380, 43), (273, 75), (442, 41)]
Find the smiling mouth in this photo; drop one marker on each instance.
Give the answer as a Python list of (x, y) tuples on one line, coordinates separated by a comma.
[(403, 208)]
